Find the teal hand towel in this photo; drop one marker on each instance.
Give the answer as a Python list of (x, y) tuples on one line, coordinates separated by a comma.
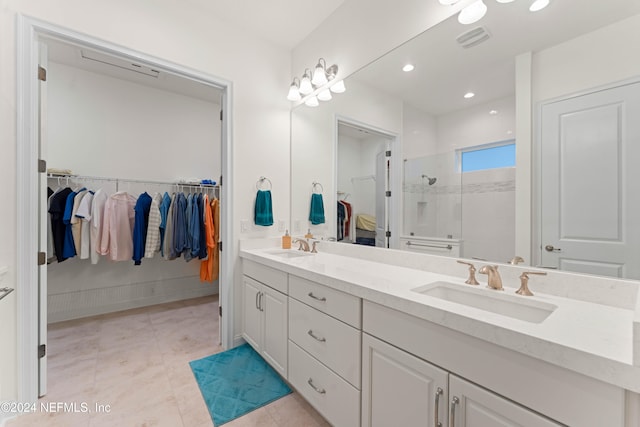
[(263, 214), (316, 212)]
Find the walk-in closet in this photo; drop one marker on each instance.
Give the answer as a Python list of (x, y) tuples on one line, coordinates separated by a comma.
[(113, 126)]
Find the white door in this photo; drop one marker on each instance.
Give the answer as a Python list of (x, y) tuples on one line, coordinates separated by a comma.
[(473, 406), (251, 314), (382, 201), (43, 219), (398, 389), (590, 191), (274, 311)]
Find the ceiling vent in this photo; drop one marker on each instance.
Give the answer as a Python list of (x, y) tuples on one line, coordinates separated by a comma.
[(119, 63), (473, 37)]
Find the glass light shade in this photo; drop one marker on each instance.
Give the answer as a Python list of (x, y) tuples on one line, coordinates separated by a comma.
[(312, 101), (338, 87), (472, 13), (305, 84), (448, 2), (325, 95), (319, 76), (538, 5), (294, 93), (505, 1)]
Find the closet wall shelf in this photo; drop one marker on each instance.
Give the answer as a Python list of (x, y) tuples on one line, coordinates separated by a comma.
[(126, 180)]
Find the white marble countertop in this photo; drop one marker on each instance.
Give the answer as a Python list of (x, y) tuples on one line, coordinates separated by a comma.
[(592, 339)]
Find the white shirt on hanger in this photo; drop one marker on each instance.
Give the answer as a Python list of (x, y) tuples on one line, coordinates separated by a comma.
[(96, 224), (84, 214)]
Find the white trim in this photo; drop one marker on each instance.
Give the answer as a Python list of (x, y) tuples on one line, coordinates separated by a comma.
[(395, 178), (29, 32)]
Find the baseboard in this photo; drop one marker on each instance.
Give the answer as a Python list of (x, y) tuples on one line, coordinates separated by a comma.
[(92, 302)]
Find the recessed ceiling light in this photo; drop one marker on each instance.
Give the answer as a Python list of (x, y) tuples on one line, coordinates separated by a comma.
[(509, 132), (538, 5), (469, 95), (493, 112), (408, 67)]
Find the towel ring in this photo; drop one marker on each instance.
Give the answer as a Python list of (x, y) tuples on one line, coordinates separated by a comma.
[(261, 181), (315, 185)]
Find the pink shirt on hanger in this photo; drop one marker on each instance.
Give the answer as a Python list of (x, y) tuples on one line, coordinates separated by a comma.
[(118, 221)]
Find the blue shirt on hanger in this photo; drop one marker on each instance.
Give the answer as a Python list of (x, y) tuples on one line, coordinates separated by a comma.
[(142, 208)]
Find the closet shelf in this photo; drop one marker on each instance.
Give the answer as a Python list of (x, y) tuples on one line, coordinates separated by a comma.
[(126, 180)]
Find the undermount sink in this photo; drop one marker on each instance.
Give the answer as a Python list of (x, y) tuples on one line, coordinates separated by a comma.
[(488, 300), (289, 253)]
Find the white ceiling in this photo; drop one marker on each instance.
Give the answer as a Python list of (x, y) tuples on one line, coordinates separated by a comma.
[(283, 22), (444, 71)]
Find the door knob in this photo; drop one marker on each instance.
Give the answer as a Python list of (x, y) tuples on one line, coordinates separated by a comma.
[(550, 248)]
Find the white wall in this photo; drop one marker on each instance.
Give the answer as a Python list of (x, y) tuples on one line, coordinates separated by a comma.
[(108, 127), (419, 133), (188, 36), (104, 126)]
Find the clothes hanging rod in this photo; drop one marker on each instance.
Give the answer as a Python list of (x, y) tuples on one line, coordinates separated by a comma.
[(139, 181)]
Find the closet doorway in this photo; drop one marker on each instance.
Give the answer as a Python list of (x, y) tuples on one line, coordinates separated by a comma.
[(80, 60), (365, 177)]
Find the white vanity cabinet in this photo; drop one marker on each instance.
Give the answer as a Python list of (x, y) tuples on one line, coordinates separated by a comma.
[(264, 314), (399, 389), (325, 349)]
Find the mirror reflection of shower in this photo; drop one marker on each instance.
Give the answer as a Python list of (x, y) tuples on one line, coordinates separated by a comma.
[(430, 180)]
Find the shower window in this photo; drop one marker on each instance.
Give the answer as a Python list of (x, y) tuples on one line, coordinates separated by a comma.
[(493, 156)]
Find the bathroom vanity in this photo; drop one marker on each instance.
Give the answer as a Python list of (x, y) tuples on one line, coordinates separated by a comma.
[(375, 337)]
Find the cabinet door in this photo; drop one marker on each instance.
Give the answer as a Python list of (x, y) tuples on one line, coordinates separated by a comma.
[(474, 406), (251, 314), (274, 344), (398, 389)]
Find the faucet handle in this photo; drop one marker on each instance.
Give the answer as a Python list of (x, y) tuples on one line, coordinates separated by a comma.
[(472, 273), (314, 250), (516, 260), (524, 282)]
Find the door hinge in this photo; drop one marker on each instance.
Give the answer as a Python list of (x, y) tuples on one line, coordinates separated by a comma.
[(387, 193), (388, 234), (42, 351), (220, 180), (221, 112), (220, 246), (42, 258), (387, 153), (220, 311), (42, 73), (42, 166)]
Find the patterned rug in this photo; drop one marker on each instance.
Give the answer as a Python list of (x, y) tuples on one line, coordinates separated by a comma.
[(236, 382)]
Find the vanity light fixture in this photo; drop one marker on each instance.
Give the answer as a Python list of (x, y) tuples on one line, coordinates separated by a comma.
[(305, 84), (294, 90), (472, 13), (317, 85), (469, 95), (538, 5), (311, 101), (408, 67)]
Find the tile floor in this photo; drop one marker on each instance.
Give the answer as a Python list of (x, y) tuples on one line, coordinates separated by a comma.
[(137, 361)]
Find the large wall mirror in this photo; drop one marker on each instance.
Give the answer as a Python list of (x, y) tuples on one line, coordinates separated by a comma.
[(541, 156)]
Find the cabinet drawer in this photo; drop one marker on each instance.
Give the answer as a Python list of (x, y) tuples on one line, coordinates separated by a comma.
[(333, 397), (271, 277), (335, 303), (335, 344)]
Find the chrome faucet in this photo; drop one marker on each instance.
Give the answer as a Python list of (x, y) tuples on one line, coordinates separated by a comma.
[(494, 281), (304, 245), (524, 281), (472, 273)]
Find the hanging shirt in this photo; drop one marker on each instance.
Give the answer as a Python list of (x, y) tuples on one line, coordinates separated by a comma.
[(152, 244), (76, 223), (51, 253), (96, 224), (169, 253), (179, 226), (68, 248), (194, 231), (58, 228), (117, 233), (164, 210), (141, 222), (202, 241), (209, 268), (188, 216), (84, 215)]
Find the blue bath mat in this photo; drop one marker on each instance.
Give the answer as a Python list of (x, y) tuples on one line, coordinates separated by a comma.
[(236, 382)]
